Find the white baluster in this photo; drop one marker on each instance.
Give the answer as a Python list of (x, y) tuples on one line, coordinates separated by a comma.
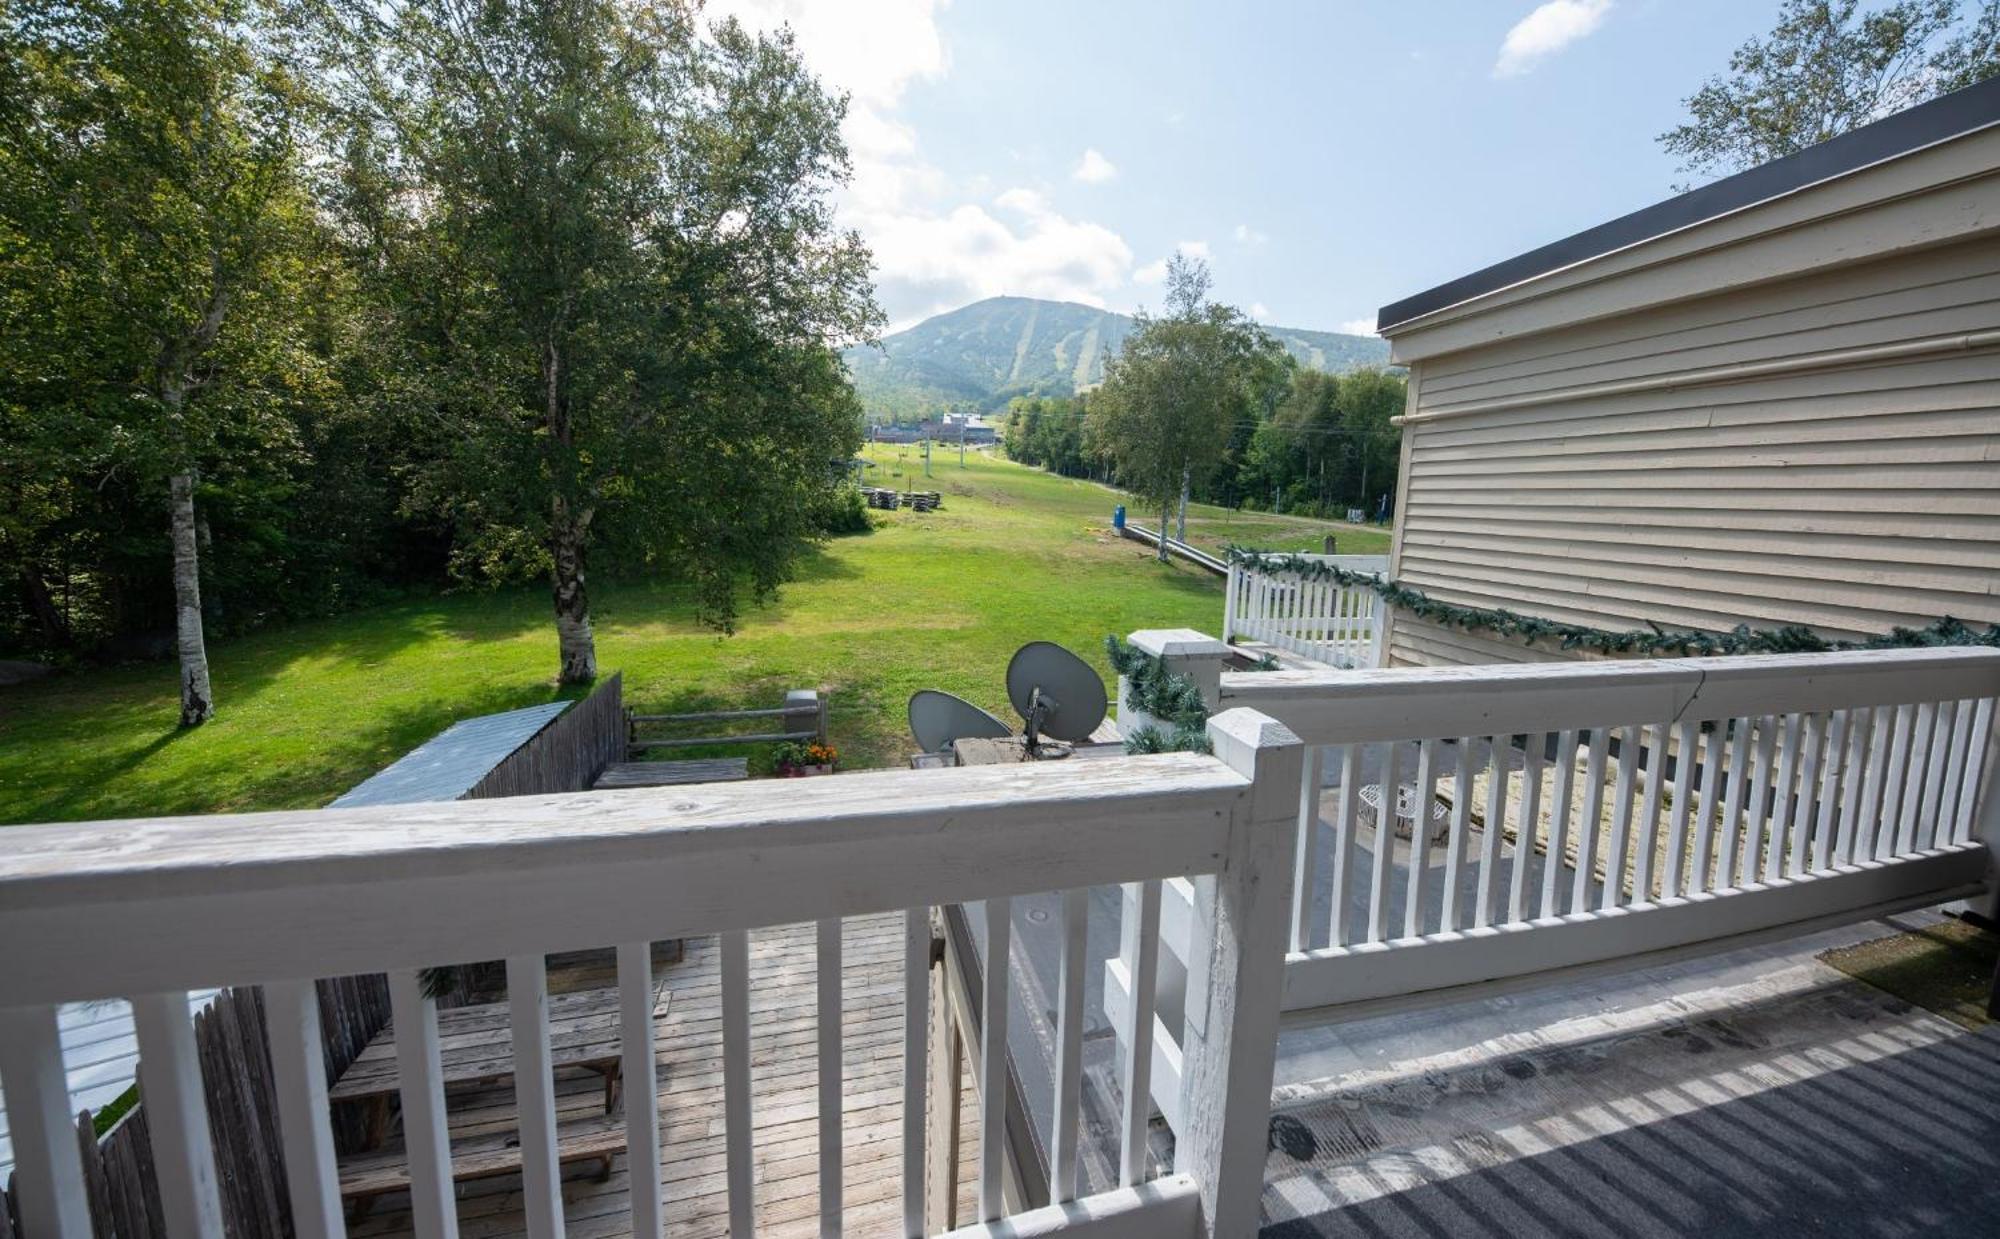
[(993, 1051), (177, 1115), (1421, 798), (827, 999), (734, 946), (916, 1027), (642, 1098), (1069, 1047), (298, 1069), (426, 1138), (1139, 931), (48, 1180), (534, 1095)]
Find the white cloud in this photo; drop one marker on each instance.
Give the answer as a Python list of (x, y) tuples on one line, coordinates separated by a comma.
[(1358, 326), (1156, 271), (1259, 311), (937, 245), (1094, 168), (1246, 235), (1546, 31)]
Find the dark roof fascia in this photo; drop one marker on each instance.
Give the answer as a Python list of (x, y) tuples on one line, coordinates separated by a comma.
[(1948, 116)]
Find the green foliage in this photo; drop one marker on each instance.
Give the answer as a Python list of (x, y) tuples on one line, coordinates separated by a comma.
[(983, 356), (1173, 699), (846, 512), (1051, 432), (1329, 445), (1178, 389), (318, 705), (1827, 67), (169, 302), (1651, 641)]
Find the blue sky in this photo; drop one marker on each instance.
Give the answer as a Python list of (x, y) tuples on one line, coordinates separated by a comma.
[(1326, 158)]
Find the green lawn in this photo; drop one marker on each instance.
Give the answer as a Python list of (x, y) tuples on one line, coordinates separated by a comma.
[(937, 600)]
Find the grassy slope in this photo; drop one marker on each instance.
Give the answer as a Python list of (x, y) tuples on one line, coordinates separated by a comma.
[(939, 600)]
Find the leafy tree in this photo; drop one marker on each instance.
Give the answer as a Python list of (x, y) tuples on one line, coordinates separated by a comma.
[(614, 259), (152, 221), (1829, 66), (1176, 389), (1329, 446)]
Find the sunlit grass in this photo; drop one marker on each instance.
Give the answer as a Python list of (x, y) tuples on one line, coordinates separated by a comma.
[(933, 600)]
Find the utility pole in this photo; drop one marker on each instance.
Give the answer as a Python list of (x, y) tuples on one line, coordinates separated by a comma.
[(961, 440), (927, 457)]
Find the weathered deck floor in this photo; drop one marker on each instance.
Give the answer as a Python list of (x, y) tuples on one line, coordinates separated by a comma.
[(784, 1077)]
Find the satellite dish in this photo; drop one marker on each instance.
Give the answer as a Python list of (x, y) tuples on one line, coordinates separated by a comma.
[(937, 718), (1055, 692)]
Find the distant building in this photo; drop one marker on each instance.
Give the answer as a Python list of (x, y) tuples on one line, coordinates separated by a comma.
[(948, 429)]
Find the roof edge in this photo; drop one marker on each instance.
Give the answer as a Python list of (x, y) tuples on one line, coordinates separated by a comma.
[(1947, 116)]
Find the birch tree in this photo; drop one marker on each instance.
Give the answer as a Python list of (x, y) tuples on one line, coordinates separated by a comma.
[(1176, 390), (624, 277), (151, 192)]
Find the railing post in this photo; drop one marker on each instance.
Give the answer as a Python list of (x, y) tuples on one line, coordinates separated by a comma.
[(1236, 976), (1195, 655), (1379, 633), (804, 711)]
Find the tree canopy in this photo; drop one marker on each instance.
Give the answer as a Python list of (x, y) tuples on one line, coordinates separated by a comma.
[(303, 301), (1829, 66)]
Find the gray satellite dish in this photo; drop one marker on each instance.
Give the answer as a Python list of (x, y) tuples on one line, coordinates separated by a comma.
[(938, 718), (1056, 693)]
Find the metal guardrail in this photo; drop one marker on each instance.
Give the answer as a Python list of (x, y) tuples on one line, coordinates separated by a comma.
[(1195, 555)]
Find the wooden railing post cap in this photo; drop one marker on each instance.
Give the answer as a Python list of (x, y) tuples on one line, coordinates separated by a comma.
[(1177, 643), (1242, 735)]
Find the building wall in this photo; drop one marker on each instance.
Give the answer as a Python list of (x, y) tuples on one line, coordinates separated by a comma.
[(1855, 494)]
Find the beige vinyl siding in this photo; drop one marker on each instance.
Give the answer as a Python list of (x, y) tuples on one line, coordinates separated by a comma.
[(1852, 497)]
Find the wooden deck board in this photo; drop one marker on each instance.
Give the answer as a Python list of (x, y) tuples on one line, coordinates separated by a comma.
[(673, 773), (784, 1080)]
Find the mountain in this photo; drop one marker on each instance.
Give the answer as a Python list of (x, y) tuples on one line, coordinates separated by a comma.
[(991, 351)]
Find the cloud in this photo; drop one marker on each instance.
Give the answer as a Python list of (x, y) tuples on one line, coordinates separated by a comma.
[(1364, 326), (1246, 235), (1259, 311), (1546, 31), (939, 240), (1156, 271), (1094, 168)]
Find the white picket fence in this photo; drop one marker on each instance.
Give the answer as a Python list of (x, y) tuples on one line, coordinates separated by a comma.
[(1607, 815), (1338, 625), (152, 909)]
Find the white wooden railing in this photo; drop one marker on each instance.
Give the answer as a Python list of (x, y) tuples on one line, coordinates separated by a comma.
[(151, 909), (1687, 805), (1338, 625)]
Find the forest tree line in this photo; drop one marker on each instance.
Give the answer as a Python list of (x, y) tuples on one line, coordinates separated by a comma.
[(306, 301), (1202, 400)]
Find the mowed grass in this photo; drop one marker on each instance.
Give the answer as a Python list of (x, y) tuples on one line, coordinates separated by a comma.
[(934, 600)]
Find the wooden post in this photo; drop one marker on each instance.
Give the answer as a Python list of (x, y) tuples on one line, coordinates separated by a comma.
[(1236, 976)]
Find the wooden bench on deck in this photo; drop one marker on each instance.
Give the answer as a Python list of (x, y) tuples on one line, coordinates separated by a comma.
[(673, 773), (476, 1047), (365, 1176)]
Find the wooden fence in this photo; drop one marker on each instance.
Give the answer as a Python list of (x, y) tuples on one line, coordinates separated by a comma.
[(568, 754), (231, 1041)]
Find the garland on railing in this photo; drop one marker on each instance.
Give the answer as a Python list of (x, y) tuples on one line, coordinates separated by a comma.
[(1173, 699), (1651, 641)]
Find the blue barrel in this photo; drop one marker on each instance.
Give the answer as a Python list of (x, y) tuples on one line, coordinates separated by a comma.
[(1118, 517)]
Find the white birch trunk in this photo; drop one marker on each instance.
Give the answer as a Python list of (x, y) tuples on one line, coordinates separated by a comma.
[(197, 698)]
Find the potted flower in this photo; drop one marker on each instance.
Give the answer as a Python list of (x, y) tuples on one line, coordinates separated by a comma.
[(798, 758)]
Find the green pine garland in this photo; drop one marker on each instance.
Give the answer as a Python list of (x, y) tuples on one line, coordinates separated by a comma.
[(1173, 699), (1651, 641)]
